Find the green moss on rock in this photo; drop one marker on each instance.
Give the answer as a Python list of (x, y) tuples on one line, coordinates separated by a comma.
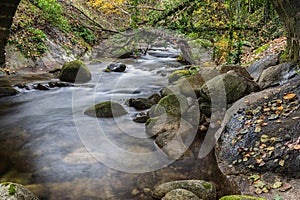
[(12, 189), (8, 91), (75, 71), (178, 74), (240, 197), (172, 105), (106, 109)]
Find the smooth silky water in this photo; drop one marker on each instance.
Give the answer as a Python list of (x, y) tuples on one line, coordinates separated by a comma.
[(49, 145)]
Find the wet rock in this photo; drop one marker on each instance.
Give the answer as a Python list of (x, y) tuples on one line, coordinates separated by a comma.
[(277, 75), (155, 98), (258, 67), (180, 194), (171, 105), (241, 197), (40, 86), (141, 103), (106, 109), (8, 91), (13, 191), (141, 118), (202, 189), (75, 71), (237, 68), (231, 85), (116, 67)]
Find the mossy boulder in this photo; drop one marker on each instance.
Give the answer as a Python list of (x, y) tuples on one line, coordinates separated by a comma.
[(172, 105), (14, 191), (106, 109), (178, 74), (230, 85), (8, 91), (203, 189), (180, 194), (75, 71), (240, 197)]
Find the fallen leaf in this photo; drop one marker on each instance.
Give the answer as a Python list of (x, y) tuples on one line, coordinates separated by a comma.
[(259, 184), (267, 109), (265, 189), (255, 177), (276, 185), (259, 121), (297, 147), (279, 121), (264, 138), (295, 118), (289, 96), (280, 108), (259, 160), (258, 191), (257, 129), (281, 163)]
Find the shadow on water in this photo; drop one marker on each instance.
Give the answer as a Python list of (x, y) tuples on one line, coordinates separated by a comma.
[(42, 149)]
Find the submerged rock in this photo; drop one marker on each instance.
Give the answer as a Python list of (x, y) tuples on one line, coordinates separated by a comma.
[(116, 67), (141, 118), (75, 71), (14, 191), (106, 109), (8, 91), (141, 103), (202, 189)]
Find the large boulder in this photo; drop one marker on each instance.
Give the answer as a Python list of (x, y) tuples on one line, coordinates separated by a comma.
[(260, 141), (106, 109), (232, 85), (277, 75), (191, 85), (259, 66), (237, 68), (202, 189), (14, 191), (75, 71), (171, 105)]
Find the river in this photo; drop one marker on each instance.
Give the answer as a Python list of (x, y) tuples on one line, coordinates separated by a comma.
[(49, 145)]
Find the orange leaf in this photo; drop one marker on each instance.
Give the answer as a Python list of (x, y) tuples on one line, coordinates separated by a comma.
[(289, 96), (297, 147), (280, 108)]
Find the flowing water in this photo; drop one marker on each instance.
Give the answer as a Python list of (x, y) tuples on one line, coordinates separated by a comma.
[(49, 145)]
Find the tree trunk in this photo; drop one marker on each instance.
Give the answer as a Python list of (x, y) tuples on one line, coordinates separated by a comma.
[(7, 12), (289, 12)]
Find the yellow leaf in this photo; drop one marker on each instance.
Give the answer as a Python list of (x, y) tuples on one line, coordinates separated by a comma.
[(281, 163), (289, 96)]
